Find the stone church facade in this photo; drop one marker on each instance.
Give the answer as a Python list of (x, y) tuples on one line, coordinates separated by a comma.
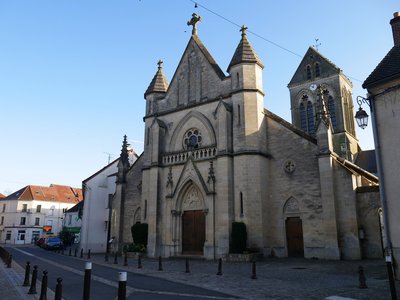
[(214, 155)]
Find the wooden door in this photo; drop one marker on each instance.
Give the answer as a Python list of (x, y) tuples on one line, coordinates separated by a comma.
[(294, 237), (193, 232)]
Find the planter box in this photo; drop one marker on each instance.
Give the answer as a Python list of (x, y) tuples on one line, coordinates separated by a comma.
[(248, 257)]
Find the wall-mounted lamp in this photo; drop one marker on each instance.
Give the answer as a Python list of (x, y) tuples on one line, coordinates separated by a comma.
[(361, 115)]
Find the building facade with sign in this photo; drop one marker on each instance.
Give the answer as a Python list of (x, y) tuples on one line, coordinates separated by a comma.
[(32, 211), (213, 155)]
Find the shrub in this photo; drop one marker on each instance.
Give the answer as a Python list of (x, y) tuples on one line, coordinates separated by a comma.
[(238, 237), (139, 233)]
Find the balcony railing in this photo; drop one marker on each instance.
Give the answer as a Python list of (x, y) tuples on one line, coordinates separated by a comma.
[(182, 157)]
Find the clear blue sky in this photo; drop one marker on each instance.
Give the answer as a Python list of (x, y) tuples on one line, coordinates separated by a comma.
[(73, 73)]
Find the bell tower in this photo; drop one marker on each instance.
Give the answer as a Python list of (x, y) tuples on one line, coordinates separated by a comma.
[(316, 70)]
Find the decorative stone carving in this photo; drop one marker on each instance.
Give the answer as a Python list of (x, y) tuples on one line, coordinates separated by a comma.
[(289, 166), (292, 206), (193, 199)]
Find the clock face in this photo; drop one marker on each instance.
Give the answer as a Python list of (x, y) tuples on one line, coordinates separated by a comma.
[(313, 87)]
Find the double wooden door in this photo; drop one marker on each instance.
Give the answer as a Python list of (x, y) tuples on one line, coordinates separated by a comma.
[(193, 232), (294, 237)]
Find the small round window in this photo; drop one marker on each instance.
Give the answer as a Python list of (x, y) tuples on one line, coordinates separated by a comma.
[(192, 139)]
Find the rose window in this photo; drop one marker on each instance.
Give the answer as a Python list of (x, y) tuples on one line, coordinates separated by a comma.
[(192, 139)]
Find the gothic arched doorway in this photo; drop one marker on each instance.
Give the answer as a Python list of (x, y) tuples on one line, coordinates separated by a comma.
[(193, 222)]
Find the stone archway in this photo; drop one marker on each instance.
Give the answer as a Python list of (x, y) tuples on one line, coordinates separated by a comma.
[(193, 222), (293, 228)]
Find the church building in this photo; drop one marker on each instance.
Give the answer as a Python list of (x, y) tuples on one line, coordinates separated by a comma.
[(213, 155)]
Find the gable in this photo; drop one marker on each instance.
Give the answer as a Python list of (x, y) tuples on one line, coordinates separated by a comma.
[(197, 78), (311, 58)]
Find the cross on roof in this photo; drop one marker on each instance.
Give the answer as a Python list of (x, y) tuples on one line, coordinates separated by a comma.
[(243, 29), (160, 63), (317, 44), (195, 18)]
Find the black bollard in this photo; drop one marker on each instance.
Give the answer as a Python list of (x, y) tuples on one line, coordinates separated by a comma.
[(139, 262), (361, 278), (27, 273), (125, 259), (43, 289), (187, 265), (219, 267), (115, 258), (9, 261), (253, 270), (122, 285), (69, 252), (75, 252), (88, 254), (58, 293), (32, 289), (87, 279), (82, 253), (160, 263)]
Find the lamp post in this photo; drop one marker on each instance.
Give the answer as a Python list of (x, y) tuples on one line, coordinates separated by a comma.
[(362, 121)]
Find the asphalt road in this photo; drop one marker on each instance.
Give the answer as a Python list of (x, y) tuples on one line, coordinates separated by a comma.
[(104, 283)]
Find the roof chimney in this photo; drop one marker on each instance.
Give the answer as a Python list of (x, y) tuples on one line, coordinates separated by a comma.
[(395, 22)]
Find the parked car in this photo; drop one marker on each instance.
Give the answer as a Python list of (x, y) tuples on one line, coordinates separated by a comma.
[(53, 243), (40, 242)]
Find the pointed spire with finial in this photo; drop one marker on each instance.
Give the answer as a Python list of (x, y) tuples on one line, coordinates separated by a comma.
[(193, 22), (244, 52), (124, 157), (159, 83), (123, 163)]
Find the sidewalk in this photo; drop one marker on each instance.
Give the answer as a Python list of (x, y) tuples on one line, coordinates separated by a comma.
[(276, 278)]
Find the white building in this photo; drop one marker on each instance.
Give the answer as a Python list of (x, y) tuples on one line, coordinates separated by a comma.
[(98, 191), (33, 210), (73, 221)]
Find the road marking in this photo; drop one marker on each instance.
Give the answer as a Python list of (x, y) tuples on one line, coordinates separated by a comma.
[(129, 290)]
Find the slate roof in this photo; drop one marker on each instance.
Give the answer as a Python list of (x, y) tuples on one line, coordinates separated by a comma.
[(366, 160), (53, 193), (76, 208), (159, 83), (244, 54), (386, 70)]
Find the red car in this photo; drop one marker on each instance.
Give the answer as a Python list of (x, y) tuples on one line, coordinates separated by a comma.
[(40, 242)]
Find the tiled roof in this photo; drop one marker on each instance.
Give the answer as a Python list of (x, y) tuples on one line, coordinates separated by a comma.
[(387, 69), (159, 84), (2, 196), (244, 54), (54, 193)]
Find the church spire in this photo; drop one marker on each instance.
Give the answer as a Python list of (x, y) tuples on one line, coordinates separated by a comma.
[(123, 164), (244, 52), (159, 84)]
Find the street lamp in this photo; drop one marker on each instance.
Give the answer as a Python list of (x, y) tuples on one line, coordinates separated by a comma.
[(362, 121), (361, 115)]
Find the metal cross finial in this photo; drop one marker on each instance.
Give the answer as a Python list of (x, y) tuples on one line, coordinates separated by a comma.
[(195, 18), (160, 63), (317, 44), (243, 29)]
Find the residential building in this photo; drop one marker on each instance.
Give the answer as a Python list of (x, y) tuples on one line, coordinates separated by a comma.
[(28, 213), (99, 189), (73, 222), (383, 86)]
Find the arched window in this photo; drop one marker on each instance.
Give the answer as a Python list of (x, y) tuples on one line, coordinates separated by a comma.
[(310, 118), (331, 108), (192, 139), (317, 70), (303, 117), (308, 72)]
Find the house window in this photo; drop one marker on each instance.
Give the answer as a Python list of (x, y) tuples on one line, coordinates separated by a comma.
[(49, 222), (2, 220), (69, 219), (24, 207), (21, 235), (4, 207), (308, 71), (8, 235), (317, 70), (37, 221), (38, 208), (51, 211), (241, 204), (331, 108), (238, 114), (23, 221)]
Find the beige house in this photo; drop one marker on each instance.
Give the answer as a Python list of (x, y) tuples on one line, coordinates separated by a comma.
[(214, 155), (383, 86)]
